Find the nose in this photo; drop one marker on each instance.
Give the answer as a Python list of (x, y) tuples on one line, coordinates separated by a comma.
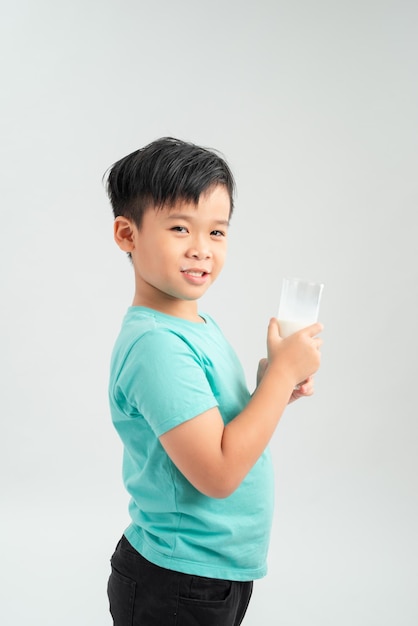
[(195, 253), (199, 249)]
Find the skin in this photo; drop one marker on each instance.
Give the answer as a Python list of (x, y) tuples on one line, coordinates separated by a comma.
[(177, 253)]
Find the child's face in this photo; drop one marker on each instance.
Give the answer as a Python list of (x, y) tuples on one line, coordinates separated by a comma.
[(179, 251)]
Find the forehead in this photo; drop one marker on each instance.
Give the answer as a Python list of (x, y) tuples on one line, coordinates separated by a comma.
[(215, 202)]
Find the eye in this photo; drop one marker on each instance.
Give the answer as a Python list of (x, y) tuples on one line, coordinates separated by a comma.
[(217, 233), (179, 229)]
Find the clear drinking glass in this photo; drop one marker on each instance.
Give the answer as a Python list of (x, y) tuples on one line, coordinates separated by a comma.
[(299, 305)]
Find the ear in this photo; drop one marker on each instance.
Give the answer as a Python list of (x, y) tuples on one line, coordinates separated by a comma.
[(123, 232)]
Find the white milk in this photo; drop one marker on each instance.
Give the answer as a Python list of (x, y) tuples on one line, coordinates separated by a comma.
[(288, 327)]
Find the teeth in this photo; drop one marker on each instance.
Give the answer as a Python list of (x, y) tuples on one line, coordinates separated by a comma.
[(194, 273)]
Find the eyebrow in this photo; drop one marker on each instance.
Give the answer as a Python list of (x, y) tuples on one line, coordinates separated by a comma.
[(190, 218)]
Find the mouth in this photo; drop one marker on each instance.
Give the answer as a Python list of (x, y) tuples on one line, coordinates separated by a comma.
[(193, 272), (195, 276)]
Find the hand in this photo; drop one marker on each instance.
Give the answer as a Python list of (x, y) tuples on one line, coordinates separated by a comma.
[(262, 366), (298, 356), (304, 389)]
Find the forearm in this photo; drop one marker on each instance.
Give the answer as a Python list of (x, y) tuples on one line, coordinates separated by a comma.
[(246, 437)]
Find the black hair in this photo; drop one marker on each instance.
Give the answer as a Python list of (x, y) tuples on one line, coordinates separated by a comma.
[(163, 172)]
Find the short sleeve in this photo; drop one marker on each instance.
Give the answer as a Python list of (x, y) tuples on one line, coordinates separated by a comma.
[(163, 380)]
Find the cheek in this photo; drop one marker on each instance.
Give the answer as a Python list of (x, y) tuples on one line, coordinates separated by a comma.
[(220, 260), (222, 254)]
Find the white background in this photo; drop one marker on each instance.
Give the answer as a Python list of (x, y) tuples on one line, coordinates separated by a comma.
[(314, 105)]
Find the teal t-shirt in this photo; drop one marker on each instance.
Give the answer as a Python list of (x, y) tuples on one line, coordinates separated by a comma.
[(164, 371)]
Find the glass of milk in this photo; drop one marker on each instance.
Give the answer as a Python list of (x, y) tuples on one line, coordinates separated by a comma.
[(299, 305)]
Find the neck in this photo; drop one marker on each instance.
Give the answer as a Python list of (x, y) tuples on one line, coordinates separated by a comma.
[(186, 309)]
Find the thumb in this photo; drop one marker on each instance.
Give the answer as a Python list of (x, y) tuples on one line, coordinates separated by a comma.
[(273, 336)]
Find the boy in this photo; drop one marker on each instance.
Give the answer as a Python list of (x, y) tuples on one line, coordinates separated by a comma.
[(196, 462)]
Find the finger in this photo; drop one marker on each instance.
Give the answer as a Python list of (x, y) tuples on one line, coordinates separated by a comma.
[(306, 384), (273, 337), (306, 389), (314, 329), (274, 326), (262, 366), (306, 381), (273, 331), (317, 342), (298, 393)]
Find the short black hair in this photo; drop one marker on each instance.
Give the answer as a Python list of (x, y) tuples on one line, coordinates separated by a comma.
[(163, 172)]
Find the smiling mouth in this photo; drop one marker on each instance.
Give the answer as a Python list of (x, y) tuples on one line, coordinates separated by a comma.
[(196, 273)]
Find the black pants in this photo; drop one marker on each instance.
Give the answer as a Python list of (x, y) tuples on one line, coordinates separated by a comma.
[(143, 594)]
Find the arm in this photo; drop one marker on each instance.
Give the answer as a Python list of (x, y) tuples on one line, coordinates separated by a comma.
[(216, 458)]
